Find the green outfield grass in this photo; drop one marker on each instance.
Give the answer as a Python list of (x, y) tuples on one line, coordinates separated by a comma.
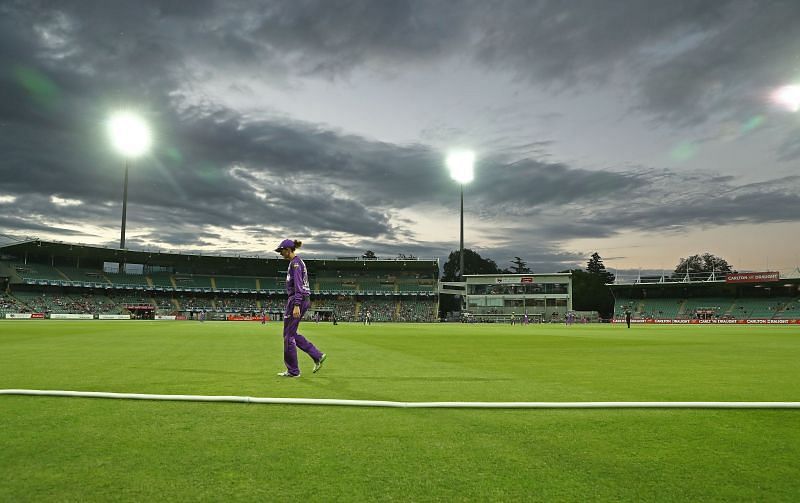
[(70, 449)]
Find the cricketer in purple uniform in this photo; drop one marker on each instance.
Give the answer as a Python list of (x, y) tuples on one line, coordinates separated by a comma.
[(296, 306)]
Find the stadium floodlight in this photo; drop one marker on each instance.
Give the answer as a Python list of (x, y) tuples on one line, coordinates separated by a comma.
[(129, 134), (788, 97), (131, 137), (461, 165)]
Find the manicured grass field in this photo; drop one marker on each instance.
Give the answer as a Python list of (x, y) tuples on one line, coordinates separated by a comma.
[(70, 449)]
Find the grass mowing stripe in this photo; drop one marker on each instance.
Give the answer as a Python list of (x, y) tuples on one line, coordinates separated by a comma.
[(99, 450)]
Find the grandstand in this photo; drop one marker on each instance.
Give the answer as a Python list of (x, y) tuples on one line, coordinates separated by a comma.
[(60, 278), (746, 297)]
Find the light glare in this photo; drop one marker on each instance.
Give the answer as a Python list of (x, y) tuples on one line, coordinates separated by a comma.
[(461, 165), (788, 97), (129, 134)]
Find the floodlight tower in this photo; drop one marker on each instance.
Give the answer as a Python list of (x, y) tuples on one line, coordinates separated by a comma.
[(461, 164), (130, 136)]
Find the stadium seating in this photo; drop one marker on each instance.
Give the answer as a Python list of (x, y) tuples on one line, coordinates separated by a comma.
[(272, 284), (32, 302), (336, 285), (416, 311), (191, 281), (236, 304), (137, 281), (789, 310), (273, 305), (759, 308), (9, 304), (344, 307), (659, 308), (375, 285), (622, 305), (718, 306), (414, 285), (36, 272), (234, 283), (381, 310), (162, 280), (82, 275), (51, 279)]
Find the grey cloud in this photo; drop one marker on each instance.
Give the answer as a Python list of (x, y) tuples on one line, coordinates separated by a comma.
[(327, 38), (686, 58), (24, 226), (704, 204), (55, 95), (525, 186), (563, 44), (669, 201), (789, 148)]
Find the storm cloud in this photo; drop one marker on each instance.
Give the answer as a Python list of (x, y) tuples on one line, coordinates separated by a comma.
[(235, 178)]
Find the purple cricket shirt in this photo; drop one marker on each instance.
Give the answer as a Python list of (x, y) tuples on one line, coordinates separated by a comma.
[(297, 281)]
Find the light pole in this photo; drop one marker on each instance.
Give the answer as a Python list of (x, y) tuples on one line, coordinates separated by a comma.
[(461, 166), (130, 136)]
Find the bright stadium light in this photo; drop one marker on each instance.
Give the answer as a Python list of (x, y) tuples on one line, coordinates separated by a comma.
[(787, 97), (130, 135), (461, 165)]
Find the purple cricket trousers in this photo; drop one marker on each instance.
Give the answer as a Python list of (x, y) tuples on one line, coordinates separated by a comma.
[(292, 340)]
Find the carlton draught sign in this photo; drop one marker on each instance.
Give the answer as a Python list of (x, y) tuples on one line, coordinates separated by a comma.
[(752, 277)]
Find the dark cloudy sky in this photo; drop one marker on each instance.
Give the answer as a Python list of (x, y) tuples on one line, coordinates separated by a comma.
[(643, 130)]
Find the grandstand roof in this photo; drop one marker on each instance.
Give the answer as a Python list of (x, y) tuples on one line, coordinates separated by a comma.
[(38, 250), (695, 279)]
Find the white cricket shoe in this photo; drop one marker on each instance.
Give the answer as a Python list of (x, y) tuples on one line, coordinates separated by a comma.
[(318, 365)]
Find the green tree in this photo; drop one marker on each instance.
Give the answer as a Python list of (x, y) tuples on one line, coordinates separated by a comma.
[(473, 264), (595, 266), (700, 267), (590, 293), (369, 254), (519, 267)]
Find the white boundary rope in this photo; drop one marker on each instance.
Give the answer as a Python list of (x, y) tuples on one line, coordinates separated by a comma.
[(410, 405)]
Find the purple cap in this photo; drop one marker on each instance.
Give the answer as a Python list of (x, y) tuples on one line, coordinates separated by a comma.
[(286, 243)]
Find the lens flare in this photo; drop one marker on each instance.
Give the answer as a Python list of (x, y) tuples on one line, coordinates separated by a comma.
[(752, 123), (684, 151), (41, 89)]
